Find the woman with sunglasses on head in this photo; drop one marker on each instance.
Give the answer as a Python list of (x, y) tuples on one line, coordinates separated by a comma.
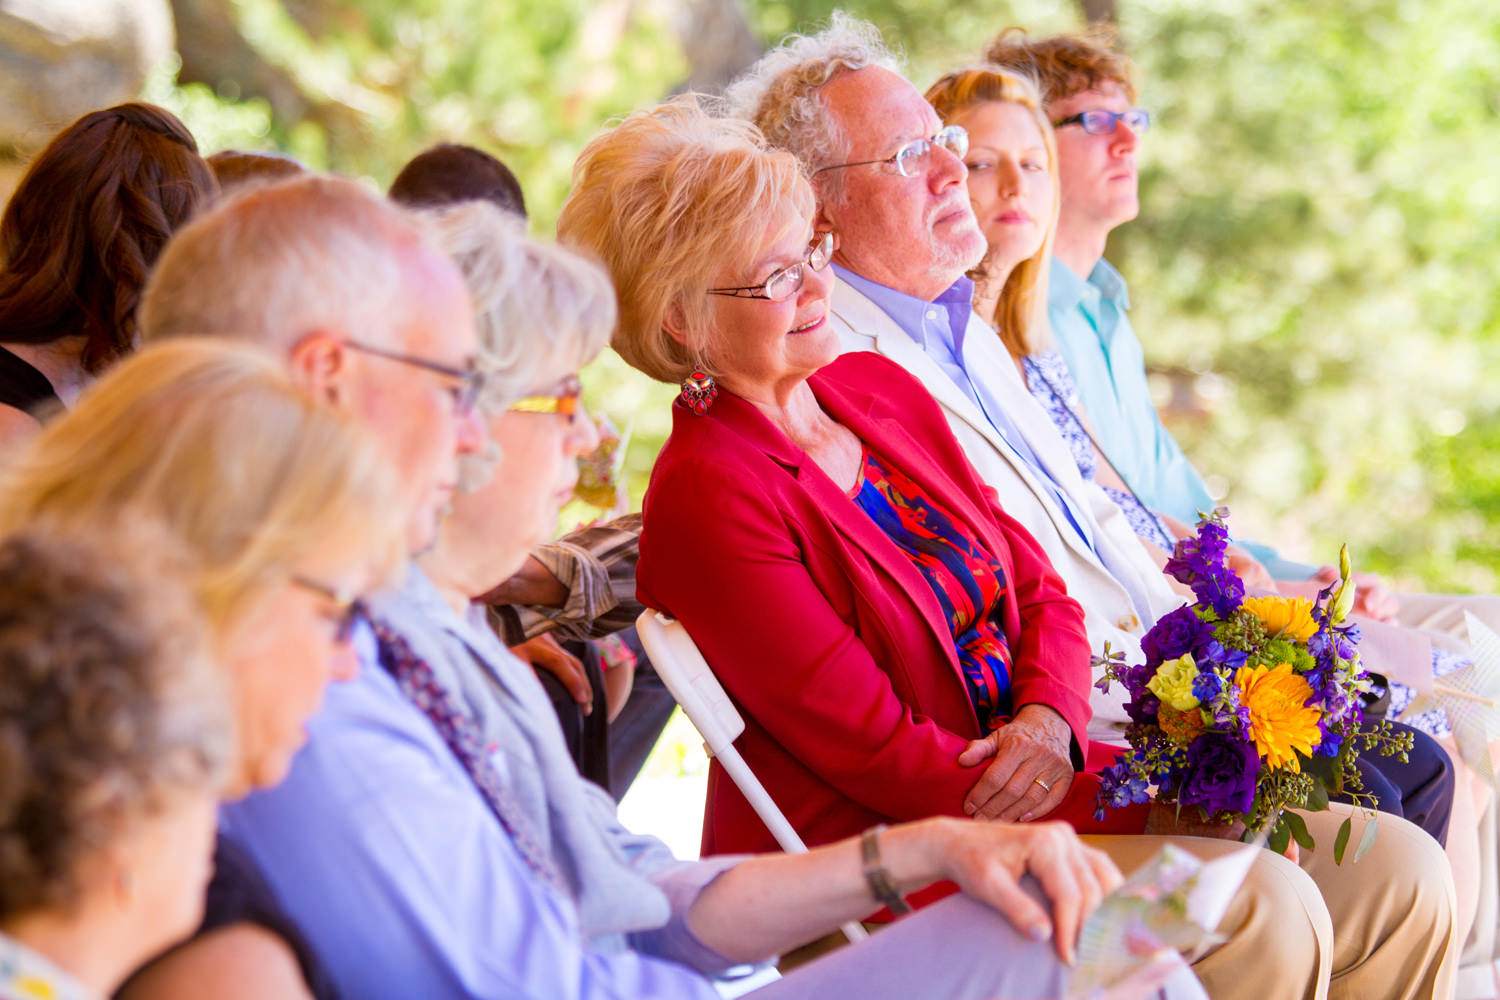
[(287, 512)]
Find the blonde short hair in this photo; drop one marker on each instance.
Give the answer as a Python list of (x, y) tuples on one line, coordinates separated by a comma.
[(781, 93), (272, 263), (1021, 311), (665, 199), (542, 310), (212, 438)]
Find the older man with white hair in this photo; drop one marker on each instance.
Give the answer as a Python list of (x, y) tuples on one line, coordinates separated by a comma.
[(371, 316), (891, 185)]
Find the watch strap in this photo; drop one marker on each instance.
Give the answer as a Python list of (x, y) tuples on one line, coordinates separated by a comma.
[(877, 876)]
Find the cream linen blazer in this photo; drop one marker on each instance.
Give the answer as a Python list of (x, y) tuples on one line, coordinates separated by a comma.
[(1109, 613)]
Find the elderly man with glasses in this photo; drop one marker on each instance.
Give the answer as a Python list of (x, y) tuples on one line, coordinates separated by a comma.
[(891, 186), (373, 318)]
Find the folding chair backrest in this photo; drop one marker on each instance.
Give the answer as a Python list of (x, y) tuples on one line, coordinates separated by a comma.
[(688, 676)]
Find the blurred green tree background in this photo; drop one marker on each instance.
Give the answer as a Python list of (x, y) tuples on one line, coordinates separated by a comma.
[(1311, 274)]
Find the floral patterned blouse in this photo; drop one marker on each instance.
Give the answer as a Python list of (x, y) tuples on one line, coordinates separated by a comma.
[(1052, 386), (25, 975), (968, 580)]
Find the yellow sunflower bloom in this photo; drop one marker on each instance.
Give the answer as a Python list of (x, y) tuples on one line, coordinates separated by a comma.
[(1280, 722), (1288, 618)]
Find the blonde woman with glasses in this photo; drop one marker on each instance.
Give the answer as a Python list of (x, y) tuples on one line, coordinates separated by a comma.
[(288, 515)]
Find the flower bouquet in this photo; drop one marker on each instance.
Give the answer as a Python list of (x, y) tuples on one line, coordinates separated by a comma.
[(601, 473), (1246, 707)]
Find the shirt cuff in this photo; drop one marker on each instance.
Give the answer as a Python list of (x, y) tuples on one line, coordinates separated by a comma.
[(590, 595), (683, 882)]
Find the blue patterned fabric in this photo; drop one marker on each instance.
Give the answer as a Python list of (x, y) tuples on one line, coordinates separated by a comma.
[(1051, 384)]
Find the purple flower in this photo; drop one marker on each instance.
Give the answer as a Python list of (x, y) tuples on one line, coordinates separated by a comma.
[(1143, 708), (1220, 775), (1174, 634), (1119, 786), (1206, 686), (1199, 563), (1212, 652)]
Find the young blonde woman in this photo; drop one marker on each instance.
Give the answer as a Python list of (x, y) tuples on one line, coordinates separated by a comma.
[(288, 513)]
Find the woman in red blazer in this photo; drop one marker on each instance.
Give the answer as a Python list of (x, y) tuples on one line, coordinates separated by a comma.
[(881, 623)]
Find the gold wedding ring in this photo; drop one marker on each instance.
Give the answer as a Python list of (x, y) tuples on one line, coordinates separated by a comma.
[(1045, 787)]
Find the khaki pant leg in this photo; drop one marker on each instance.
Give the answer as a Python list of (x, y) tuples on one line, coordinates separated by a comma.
[(1476, 966), (1393, 910), (1278, 934)]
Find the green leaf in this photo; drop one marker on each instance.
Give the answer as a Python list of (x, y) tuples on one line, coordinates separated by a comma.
[(1299, 830), (1367, 839), (1342, 840), (1280, 836), (1317, 799)]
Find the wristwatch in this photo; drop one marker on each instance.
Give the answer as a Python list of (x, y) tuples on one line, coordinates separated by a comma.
[(877, 876)]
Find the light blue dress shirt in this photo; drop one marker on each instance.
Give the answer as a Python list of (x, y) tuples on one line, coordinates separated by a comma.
[(406, 885), (938, 327), (1093, 334)]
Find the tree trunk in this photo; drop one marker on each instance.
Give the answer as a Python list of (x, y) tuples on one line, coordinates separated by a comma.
[(1100, 11), (717, 41)]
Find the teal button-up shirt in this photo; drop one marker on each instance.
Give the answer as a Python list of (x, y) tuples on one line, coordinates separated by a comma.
[(1094, 336)]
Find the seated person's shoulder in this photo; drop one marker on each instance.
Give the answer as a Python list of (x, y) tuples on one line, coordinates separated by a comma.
[(241, 961), (896, 392), (16, 428)]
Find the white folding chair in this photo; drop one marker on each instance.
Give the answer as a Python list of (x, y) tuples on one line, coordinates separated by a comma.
[(688, 676)]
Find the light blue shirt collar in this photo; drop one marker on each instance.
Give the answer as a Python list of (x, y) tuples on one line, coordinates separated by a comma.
[(908, 311), (1067, 289)]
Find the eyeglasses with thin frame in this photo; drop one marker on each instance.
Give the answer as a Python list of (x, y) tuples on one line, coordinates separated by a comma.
[(565, 402), (470, 382), (351, 608), (1101, 122), (913, 158), (787, 281)]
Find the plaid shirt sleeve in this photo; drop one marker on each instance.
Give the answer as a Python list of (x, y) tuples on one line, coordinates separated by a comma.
[(597, 566)]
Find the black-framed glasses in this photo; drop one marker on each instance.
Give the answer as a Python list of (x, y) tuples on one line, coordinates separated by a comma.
[(1101, 122), (787, 281), (912, 158), (565, 402), (351, 607), (465, 393)]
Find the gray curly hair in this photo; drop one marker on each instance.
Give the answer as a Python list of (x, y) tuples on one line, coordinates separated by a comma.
[(780, 93)]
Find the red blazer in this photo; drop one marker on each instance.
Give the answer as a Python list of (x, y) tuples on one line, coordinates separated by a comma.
[(829, 641)]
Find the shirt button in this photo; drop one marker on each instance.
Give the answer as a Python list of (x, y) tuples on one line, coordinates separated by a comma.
[(1128, 623), (932, 314)]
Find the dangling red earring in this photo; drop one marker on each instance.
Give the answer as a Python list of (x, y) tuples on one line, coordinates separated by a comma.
[(699, 391)]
